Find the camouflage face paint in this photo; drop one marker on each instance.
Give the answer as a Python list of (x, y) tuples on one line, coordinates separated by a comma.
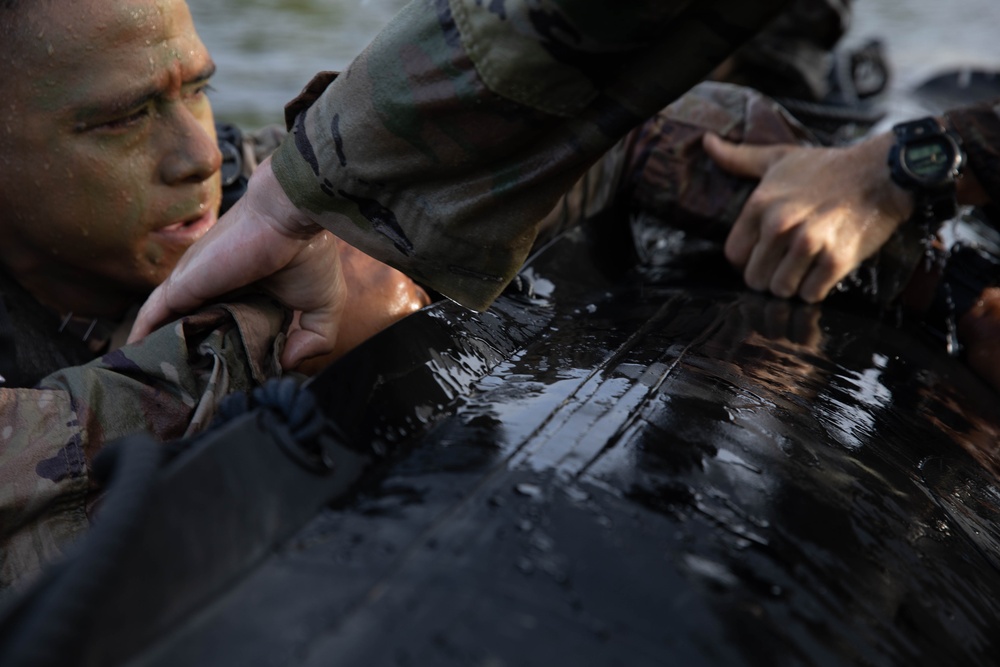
[(113, 169)]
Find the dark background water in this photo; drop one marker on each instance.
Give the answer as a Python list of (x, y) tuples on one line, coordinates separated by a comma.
[(268, 49)]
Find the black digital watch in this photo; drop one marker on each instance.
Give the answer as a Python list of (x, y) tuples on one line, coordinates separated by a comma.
[(927, 159)]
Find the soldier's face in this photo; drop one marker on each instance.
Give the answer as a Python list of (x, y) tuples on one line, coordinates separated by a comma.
[(109, 167)]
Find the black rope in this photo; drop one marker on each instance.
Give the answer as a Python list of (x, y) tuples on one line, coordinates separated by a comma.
[(294, 405)]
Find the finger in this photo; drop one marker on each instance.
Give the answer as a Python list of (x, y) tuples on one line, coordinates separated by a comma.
[(313, 334), (153, 314), (302, 345), (314, 284), (795, 264), (822, 277), (743, 236), (747, 160), (764, 259)]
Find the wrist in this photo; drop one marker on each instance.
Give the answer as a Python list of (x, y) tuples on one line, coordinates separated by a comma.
[(926, 158), (269, 200), (893, 200)]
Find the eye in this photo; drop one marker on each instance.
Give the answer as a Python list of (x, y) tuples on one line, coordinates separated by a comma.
[(125, 121), (200, 90)]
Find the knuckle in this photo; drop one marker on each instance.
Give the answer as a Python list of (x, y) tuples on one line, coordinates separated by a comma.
[(806, 244), (831, 265), (776, 225)]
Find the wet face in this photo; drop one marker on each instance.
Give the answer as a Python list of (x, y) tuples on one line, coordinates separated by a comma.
[(109, 167)]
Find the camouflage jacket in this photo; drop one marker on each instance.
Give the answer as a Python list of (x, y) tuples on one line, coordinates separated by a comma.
[(168, 385), (455, 132)]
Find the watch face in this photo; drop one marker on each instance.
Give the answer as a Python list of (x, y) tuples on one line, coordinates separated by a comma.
[(929, 161)]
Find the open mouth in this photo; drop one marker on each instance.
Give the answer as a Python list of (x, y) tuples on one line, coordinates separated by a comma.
[(188, 230)]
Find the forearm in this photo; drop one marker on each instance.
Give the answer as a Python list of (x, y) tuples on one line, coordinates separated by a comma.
[(447, 140)]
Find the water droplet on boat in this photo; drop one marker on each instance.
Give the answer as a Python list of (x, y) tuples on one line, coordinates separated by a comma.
[(530, 490)]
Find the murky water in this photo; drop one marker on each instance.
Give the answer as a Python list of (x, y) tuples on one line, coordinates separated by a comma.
[(268, 49)]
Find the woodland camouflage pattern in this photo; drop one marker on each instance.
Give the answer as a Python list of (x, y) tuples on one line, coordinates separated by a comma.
[(446, 141), (168, 385), (660, 168), (444, 145)]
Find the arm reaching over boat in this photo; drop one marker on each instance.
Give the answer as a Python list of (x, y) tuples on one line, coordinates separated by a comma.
[(449, 139), (817, 212)]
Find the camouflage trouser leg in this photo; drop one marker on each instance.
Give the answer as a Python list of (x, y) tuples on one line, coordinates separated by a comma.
[(446, 142)]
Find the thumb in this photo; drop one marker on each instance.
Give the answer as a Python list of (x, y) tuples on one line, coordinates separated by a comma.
[(746, 160), (313, 334), (153, 313)]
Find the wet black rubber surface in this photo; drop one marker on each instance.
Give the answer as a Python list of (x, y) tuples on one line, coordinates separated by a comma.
[(623, 467)]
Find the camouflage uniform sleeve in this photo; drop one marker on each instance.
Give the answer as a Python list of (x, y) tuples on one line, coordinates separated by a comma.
[(979, 128), (169, 385), (455, 132)]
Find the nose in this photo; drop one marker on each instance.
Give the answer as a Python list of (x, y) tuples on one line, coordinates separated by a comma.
[(191, 153)]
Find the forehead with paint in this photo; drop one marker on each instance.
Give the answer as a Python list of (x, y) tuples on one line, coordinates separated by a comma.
[(111, 165), (75, 55)]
